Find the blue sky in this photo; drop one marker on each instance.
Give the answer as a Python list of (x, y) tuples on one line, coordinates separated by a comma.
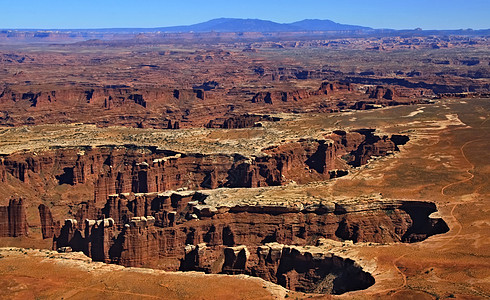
[(397, 14)]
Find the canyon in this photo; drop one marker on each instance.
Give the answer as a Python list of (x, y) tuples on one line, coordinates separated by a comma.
[(136, 218), (302, 165), (133, 169), (164, 108), (182, 233)]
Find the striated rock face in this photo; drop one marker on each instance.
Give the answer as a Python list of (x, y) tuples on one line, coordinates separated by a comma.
[(165, 108), (309, 271), (49, 227), (140, 241), (179, 231), (165, 223), (241, 121), (381, 92), (124, 169), (13, 221)]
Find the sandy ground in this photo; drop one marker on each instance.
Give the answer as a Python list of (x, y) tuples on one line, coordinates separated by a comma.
[(43, 274)]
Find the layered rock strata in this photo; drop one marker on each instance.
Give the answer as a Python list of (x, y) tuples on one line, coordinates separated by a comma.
[(13, 221), (166, 108), (241, 121), (181, 231), (123, 169), (187, 218), (137, 219), (49, 227)]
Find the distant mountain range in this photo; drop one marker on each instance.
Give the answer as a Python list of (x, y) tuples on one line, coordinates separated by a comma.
[(257, 25), (214, 28), (234, 25)]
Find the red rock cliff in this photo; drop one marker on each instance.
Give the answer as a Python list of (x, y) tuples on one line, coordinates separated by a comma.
[(108, 170), (133, 229), (13, 221)]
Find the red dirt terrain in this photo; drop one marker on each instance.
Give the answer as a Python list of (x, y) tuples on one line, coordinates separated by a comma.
[(352, 168)]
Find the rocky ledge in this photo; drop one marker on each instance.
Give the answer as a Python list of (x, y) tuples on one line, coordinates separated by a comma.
[(182, 231)]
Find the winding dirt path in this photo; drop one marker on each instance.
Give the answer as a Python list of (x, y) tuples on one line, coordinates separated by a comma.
[(467, 171), (472, 167), (400, 271), (404, 278)]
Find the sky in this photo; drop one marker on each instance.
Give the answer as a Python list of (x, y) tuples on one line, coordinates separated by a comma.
[(396, 14)]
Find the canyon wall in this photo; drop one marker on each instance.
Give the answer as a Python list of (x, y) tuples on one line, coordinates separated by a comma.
[(166, 223), (13, 221), (241, 121), (108, 97), (180, 231), (123, 169), (296, 268), (137, 218), (103, 106), (167, 108)]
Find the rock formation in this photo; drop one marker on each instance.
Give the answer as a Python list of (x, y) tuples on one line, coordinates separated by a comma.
[(242, 121), (49, 227), (166, 108), (179, 230), (120, 169), (136, 217), (310, 271), (276, 96), (13, 221), (184, 218), (380, 92)]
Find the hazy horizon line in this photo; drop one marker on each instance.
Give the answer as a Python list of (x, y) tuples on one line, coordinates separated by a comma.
[(191, 24)]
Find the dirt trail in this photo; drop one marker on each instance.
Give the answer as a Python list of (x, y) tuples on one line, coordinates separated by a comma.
[(467, 171), (471, 176), (400, 271)]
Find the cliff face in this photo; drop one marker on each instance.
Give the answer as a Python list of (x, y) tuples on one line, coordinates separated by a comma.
[(49, 227), (241, 121), (141, 224), (179, 231), (103, 106), (381, 92), (13, 221), (329, 88), (304, 270), (276, 96), (166, 108), (123, 169), (109, 97), (363, 144), (309, 270), (326, 88)]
